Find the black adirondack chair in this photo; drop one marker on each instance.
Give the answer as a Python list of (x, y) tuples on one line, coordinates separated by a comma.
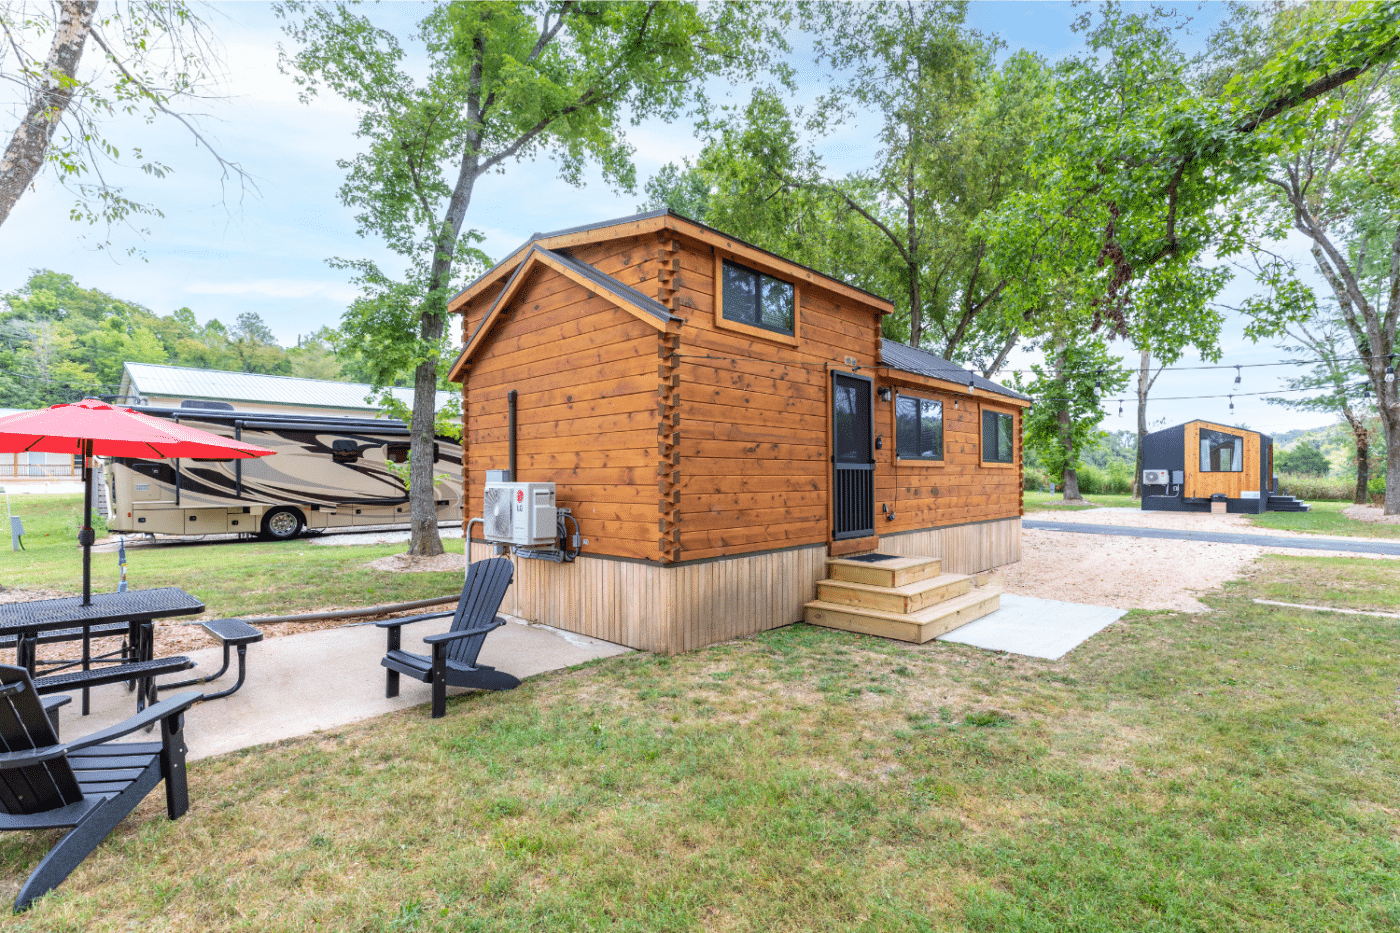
[(453, 662), (90, 784)]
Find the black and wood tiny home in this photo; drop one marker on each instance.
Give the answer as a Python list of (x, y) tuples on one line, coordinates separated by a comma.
[(1200, 461)]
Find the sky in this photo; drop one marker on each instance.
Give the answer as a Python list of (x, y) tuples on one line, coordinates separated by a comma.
[(221, 249)]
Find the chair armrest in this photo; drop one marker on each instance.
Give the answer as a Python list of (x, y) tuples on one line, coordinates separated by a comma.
[(148, 717), (453, 636), (55, 701), (395, 623)]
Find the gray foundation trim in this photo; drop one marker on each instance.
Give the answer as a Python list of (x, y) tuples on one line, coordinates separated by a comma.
[(776, 550)]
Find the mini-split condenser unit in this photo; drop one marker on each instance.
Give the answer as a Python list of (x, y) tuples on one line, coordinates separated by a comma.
[(522, 514), (1156, 477)]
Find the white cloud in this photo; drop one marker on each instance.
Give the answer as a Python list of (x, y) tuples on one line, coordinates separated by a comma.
[(275, 288)]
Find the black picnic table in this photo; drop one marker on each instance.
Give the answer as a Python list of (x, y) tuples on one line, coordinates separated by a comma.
[(24, 624)]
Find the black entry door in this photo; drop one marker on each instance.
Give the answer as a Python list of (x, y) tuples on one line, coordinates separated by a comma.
[(852, 441)]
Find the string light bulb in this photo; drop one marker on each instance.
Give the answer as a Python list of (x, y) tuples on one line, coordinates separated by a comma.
[(1120, 408), (1390, 369), (1237, 375), (1232, 403)]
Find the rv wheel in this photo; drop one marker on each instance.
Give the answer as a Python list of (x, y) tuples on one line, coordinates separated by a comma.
[(281, 524)]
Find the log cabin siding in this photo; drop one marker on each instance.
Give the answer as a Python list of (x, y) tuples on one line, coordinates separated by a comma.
[(585, 374)]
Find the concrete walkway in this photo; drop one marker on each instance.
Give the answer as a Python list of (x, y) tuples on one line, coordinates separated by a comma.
[(299, 684), (1310, 543)]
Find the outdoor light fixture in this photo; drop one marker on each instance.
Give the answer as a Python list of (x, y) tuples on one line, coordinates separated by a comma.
[(1120, 408), (1232, 403), (1390, 368), (1237, 375), (884, 393)]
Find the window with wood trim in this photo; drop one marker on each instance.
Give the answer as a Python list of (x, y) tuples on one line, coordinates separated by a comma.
[(918, 428), (1221, 452), (759, 300), (998, 437)]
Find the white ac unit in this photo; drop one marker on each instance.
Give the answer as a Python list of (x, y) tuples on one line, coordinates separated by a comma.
[(1156, 477), (522, 514)]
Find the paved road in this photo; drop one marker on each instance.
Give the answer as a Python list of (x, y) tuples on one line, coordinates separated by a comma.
[(1355, 545)]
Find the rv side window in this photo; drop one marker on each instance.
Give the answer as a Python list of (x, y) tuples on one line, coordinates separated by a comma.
[(396, 453), (345, 451), (1221, 452)]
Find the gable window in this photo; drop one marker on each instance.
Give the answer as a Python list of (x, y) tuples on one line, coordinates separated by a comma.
[(1221, 452), (759, 300), (998, 443), (918, 428)]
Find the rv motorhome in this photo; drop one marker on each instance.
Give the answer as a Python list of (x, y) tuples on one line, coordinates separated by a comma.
[(328, 472)]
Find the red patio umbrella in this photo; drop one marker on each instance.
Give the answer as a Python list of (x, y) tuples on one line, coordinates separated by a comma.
[(91, 428)]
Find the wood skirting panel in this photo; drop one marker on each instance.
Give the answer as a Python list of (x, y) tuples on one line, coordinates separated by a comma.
[(963, 548), (670, 609)]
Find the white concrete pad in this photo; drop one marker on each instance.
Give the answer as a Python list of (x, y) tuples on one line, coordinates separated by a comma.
[(1038, 628), (299, 684)]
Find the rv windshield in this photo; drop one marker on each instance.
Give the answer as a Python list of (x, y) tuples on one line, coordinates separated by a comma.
[(1221, 452)]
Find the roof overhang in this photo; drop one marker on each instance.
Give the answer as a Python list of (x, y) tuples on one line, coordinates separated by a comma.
[(900, 377), (659, 222)]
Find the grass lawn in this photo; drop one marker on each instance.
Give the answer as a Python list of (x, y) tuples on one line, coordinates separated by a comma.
[(239, 578), (1326, 518), (1043, 502), (1234, 771)]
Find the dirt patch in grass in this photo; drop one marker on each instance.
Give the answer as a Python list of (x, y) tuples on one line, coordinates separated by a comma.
[(411, 563), (1373, 514)]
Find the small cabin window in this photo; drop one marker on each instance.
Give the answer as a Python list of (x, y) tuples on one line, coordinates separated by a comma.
[(396, 453), (918, 428), (998, 443), (1221, 452), (759, 300)]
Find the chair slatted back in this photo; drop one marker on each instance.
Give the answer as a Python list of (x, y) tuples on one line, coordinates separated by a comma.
[(486, 585), (25, 726)]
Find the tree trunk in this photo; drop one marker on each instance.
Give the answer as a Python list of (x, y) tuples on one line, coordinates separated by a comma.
[(423, 538), (1069, 476), (1071, 480), (1390, 417), (1362, 438), (1143, 386), (24, 156)]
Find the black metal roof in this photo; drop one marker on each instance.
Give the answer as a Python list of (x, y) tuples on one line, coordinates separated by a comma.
[(909, 359)]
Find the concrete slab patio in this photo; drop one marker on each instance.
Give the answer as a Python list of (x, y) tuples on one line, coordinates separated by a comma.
[(1038, 628), (299, 684)]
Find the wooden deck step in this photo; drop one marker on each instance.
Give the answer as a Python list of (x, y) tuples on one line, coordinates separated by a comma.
[(906, 599), (917, 627), (895, 572)]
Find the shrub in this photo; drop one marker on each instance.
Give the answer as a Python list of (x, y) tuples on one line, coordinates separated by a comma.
[(1035, 479), (1117, 480), (1305, 459), (1317, 487), (1375, 489)]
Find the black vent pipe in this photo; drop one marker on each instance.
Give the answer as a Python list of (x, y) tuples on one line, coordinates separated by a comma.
[(510, 401)]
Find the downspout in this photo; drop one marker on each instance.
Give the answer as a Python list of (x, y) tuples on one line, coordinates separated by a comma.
[(510, 403)]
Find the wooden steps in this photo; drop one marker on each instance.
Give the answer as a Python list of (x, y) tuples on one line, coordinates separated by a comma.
[(905, 598)]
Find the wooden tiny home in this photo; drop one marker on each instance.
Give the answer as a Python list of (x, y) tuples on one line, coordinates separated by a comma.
[(1192, 463), (721, 421)]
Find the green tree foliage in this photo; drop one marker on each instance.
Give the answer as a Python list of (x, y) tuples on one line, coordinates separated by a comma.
[(60, 341), (1304, 458), (505, 81), (1334, 177), (144, 59), (1068, 390)]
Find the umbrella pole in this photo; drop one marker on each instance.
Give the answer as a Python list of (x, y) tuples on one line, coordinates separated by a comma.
[(86, 536)]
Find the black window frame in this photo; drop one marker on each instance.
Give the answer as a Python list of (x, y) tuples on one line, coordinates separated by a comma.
[(1238, 444), (727, 306), (991, 413), (899, 438)]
